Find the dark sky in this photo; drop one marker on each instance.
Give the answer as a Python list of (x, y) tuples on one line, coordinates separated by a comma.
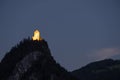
[(77, 31)]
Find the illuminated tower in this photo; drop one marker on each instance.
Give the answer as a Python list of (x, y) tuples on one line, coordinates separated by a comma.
[(36, 35)]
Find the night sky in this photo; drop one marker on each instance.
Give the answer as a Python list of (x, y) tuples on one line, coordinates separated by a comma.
[(77, 31)]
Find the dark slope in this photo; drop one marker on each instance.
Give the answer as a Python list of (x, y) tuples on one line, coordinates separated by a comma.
[(31, 60), (101, 70)]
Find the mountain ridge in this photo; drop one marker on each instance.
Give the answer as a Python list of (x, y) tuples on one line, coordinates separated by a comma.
[(107, 69), (32, 60)]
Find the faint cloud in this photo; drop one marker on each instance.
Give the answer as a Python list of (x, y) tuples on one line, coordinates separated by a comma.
[(104, 53)]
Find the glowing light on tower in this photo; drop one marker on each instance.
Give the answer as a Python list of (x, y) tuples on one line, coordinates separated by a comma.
[(36, 35)]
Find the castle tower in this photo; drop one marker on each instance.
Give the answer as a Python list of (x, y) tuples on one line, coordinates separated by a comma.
[(36, 35)]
